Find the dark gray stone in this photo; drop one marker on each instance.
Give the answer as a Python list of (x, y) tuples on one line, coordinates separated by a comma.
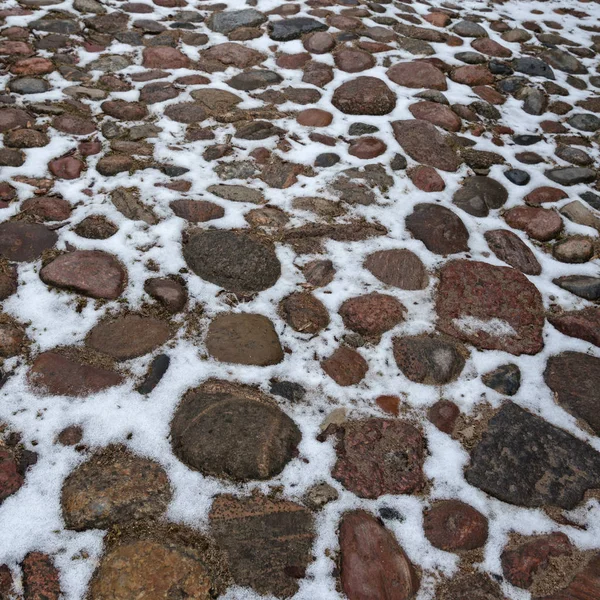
[(584, 286), (533, 66), (158, 367), (585, 122), (285, 30), (480, 194), (228, 21), (254, 79), (506, 379), (571, 175)]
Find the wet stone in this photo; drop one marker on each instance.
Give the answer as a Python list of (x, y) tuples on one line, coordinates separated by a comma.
[(244, 339), (90, 272), (429, 359), (441, 230), (114, 487), (506, 379), (232, 260), (58, 375), (268, 542), (524, 460), (379, 456), (508, 247), (373, 565), (454, 526), (494, 308)]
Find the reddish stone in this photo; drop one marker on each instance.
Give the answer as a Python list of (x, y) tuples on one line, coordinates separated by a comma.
[(539, 223), (70, 436), (454, 40), (10, 478), (436, 113), (304, 313), (47, 208), (583, 324), (235, 55), (15, 47), (353, 61), (197, 211), (74, 125), (164, 57), (293, 61), (520, 564), (89, 272), (490, 95), (508, 247), (437, 19), (317, 73), (427, 179), (472, 75), (345, 366), (126, 111), (8, 283), (440, 229), (314, 117), (32, 66), (170, 293), (545, 194), (454, 526), (67, 167), (374, 47), (366, 147), (372, 314), (319, 42), (418, 74), (584, 586), (90, 148), (24, 242), (443, 415), (379, 456), (364, 96), (52, 373), (398, 268), (553, 127), (40, 578), (6, 583), (389, 404), (373, 565), (490, 47), (319, 273), (193, 80), (503, 310)]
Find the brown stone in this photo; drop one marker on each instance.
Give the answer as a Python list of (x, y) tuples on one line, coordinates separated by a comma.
[(164, 57), (398, 268), (373, 565), (472, 75), (494, 308), (170, 293), (418, 74), (47, 208), (584, 586), (319, 273), (345, 366), (128, 337), (573, 249), (244, 339), (521, 563), (353, 60), (10, 478), (13, 118), (454, 526), (426, 179), (114, 487), (24, 242), (508, 247), (197, 211), (233, 431), (95, 227), (364, 96), (425, 144), (379, 456), (314, 117), (441, 230), (70, 436), (389, 404), (372, 315), (74, 125), (268, 542), (583, 324), (89, 272), (58, 375), (366, 147), (304, 313), (539, 223), (67, 167), (491, 48), (11, 339), (443, 415), (234, 55), (436, 113), (544, 194)]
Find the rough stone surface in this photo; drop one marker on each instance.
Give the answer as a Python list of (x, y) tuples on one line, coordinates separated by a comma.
[(24, 242), (372, 315), (232, 431), (345, 366), (441, 230), (304, 313), (364, 96), (398, 268), (453, 526), (508, 247)]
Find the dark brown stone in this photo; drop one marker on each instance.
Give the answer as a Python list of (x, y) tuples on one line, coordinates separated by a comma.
[(443, 415), (372, 315), (170, 293), (364, 96), (40, 577), (454, 526), (24, 242), (583, 324), (508, 247), (418, 74), (345, 366), (399, 268), (304, 313), (441, 230)]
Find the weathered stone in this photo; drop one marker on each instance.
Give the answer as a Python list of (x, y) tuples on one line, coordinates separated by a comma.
[(304, 313), (379, 456), (227, 21), (24, 242), (478, 195), (454, 526), (436, 113), (128, 337), (170, 293), (584, 286), (233, 431), (398, 268), (373, 565), (584, 585), (364, 96), (319, 273), (244, 339), (372, 315), (443, 415), (197, 211), (494, 308), (583, 324), (10, 478), (508, 247), (429, 359), (232, 260), (571, 175), (522, 459), (418, 74), (438, 228), (156, 370), (425, 144), (506, 379), (114, 487), (89, 272), (540, 224), (40, 577), (95, 227), (58, 375), (285, 30), (345, 366)]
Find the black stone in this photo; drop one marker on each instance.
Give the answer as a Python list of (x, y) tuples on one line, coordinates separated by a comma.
[(524, 460), (506, 379), (327, 159), (592, 199), (288, 390), (517, 176), (158, 367), (173, 170), (526, 139), (390, 514)]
